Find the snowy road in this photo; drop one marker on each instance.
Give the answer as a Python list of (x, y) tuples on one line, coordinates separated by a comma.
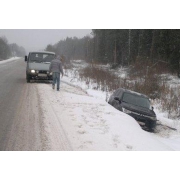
[(21, 125)]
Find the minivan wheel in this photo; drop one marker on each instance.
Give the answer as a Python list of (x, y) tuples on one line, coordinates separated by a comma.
[(179, 74), (28, 79)]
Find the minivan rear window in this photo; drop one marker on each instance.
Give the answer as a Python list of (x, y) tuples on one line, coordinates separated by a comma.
[(41, 57)]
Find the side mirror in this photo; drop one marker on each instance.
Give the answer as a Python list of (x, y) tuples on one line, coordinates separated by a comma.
[(117, 99), (25, 59), (152, 108)]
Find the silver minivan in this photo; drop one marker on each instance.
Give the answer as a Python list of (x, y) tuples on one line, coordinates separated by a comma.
[(38, 65)]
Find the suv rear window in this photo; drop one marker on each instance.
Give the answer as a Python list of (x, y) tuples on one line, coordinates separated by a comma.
[(118, 92), (136, 100)]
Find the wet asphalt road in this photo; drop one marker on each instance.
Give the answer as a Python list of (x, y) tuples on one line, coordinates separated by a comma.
[(12, 80), (21, 124)]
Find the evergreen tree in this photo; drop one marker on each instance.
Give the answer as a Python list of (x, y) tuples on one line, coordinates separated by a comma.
[(4, 49), (124, 46)]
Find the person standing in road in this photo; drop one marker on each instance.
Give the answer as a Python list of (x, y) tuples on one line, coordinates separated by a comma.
[(56, 68)]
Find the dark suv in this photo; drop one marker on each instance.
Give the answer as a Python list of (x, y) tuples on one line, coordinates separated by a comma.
[(38, 65), (136, 105)]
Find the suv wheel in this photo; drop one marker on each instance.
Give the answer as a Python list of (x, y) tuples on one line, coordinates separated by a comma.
[(151, 125)]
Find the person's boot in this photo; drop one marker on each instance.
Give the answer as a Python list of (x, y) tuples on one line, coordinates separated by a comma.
[(53, 86)]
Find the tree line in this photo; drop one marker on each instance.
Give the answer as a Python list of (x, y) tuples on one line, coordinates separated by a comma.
[(123, 46), (9, 50), (71, 48)]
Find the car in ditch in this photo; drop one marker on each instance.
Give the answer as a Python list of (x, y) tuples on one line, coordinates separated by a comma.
[(136, 105), (38, 65)]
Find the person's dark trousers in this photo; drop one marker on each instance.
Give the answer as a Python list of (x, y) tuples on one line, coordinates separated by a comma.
[(56, 78)]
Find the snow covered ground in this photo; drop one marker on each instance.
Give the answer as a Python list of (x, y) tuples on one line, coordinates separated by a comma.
[(164, 134), (8, 60), (90, 123), (78, 118)]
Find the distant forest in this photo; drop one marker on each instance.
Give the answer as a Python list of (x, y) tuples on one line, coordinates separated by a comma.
[(123, 46), (10, 50)]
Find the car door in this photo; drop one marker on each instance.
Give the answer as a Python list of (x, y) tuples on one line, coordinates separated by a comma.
[(116, 103)]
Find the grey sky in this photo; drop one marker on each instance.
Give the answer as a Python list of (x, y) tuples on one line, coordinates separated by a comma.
[(38, 39)]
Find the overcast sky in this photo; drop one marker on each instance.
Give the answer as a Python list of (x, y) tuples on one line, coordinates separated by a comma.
[(38, 39)]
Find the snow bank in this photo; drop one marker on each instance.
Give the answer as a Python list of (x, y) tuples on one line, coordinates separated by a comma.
[(90, 123), (9, 60), (162, 132)]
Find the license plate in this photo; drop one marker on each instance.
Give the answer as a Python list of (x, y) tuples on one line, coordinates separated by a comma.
[(42, 75)]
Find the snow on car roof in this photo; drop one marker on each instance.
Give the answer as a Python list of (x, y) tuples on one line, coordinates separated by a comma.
[(48, 52), (133, 92)]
